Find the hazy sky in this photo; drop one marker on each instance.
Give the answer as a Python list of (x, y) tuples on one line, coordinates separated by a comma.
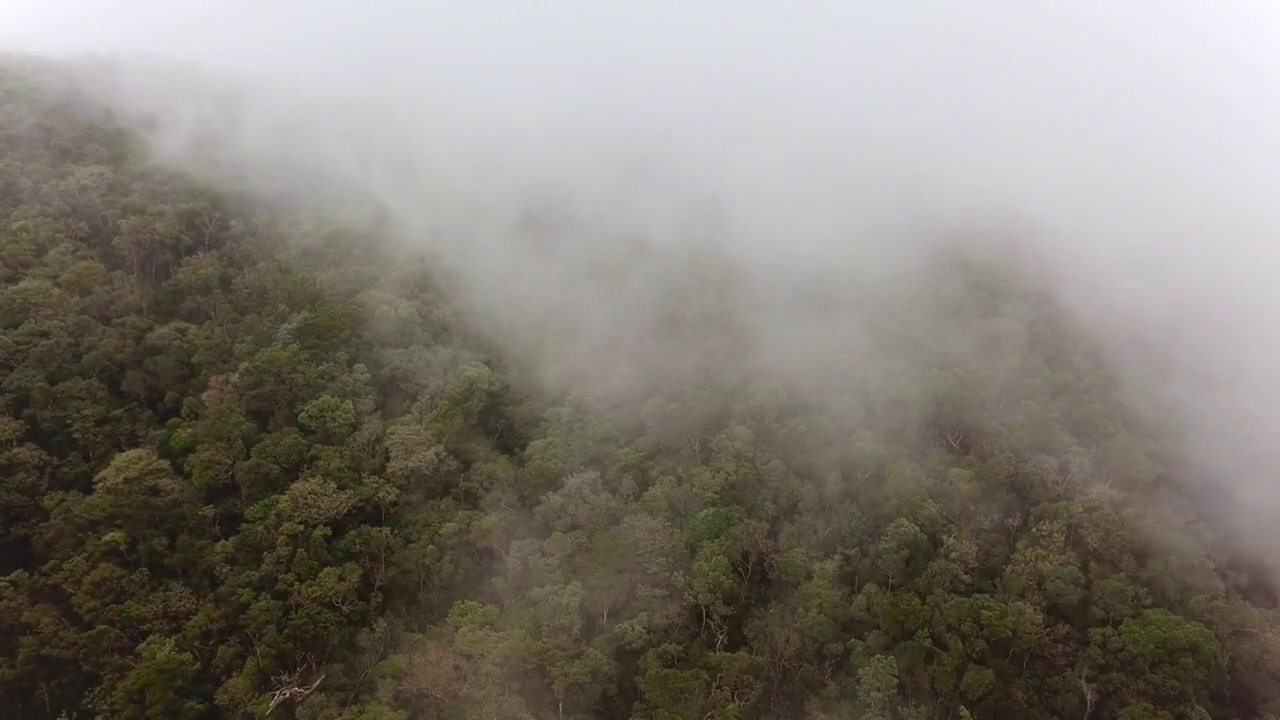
[(827, 55), (1040, 93)]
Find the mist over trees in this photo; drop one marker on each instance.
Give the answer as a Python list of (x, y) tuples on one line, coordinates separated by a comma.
[(255, 461)]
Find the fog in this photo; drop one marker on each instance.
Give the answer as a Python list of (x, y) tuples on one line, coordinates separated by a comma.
[(1133, 145)]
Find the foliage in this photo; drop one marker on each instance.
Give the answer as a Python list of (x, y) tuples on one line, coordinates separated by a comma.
[(251, 465)]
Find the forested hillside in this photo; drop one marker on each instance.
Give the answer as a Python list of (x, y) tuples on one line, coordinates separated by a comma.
[(253, 463)]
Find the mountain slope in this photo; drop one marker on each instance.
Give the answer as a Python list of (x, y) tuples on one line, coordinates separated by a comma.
[(254, 462)]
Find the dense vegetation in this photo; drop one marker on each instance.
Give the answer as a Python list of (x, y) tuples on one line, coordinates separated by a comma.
[(250, 463)]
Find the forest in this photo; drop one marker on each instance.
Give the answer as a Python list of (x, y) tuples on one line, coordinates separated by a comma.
[(256, 464)]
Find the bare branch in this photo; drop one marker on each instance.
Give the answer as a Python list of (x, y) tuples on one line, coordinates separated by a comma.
[(288, 687)]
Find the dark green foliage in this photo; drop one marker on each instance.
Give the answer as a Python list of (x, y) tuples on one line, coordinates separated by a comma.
[(247, 466)]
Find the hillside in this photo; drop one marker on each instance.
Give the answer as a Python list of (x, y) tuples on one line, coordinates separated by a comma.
[(255, 462)]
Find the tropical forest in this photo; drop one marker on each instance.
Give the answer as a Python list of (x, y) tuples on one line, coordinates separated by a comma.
[(256, 462)]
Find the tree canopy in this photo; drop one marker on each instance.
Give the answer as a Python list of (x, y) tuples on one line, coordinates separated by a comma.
[(253, 466)]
